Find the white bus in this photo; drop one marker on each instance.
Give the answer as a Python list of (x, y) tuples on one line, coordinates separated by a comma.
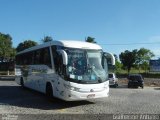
[(69, 70)]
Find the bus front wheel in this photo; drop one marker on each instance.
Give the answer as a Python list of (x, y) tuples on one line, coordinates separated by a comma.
[(22, 82), (49, 91)]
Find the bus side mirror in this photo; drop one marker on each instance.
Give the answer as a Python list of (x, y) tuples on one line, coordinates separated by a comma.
[(64, 56), (110, 58)]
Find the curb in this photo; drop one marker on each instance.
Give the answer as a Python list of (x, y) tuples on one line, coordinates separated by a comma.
[(7, 78)]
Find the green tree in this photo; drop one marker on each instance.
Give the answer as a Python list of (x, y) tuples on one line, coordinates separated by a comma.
[(47, 39), (6, 50), (116, 57), (128, 59), (90, 39), (143, 57), (26, 44), (145, 65), (118, 66)]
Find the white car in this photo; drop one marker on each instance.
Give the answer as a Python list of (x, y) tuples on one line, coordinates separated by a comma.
[(113, 80)]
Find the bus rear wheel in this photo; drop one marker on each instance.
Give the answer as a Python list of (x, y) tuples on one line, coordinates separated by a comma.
[(49, 91), (22, 82)]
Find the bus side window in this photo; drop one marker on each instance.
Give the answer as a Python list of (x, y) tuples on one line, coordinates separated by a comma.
[(25, 60), (46, 57), (21, 59), (18, 60), (37, 55), (55, 58), (28, 58), (58, 61)]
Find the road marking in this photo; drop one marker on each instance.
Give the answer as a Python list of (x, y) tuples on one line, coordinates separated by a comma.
[(2, 109), (70, 112)]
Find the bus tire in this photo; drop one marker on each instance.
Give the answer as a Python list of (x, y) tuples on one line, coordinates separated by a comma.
[(49, 91), (22, 82)]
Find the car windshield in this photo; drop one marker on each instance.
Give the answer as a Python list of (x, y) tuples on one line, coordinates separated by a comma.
[(110, 76), (85, 66), (135, 77)]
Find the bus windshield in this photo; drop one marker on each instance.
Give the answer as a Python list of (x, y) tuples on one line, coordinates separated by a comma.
[(85, 66)]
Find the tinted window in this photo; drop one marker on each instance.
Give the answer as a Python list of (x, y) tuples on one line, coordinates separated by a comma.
[(110, 75), (55, 57), (37, 57), (41, 56), (135, 77), (26, 58), (45, 57)]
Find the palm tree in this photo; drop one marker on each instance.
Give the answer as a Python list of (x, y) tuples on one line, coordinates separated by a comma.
[(90, 39)]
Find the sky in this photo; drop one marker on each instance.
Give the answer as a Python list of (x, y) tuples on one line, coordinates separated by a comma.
[(116, 25)]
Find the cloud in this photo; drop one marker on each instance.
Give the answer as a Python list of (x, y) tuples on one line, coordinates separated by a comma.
[(156, 52), (155, 46), (154, 39)]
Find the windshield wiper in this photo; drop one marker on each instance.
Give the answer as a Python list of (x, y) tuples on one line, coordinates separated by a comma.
[(99, 80)]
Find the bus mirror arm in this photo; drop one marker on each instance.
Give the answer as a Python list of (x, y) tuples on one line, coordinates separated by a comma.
[(64, 56), (110, 56)]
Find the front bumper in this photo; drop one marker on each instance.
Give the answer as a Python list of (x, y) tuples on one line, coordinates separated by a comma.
[(135, 84), (76, 96)]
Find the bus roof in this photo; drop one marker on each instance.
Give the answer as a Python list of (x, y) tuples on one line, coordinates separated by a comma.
[(64, 43)]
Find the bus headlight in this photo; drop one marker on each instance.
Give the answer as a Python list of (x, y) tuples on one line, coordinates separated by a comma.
[(71, 88)]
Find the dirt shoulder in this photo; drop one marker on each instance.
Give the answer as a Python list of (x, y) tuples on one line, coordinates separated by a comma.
[(152, 82)]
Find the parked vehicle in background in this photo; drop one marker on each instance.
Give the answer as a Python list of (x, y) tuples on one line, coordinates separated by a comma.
[(135, 80), (113, 80)]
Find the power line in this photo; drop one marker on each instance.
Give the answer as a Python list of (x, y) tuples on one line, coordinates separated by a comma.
[(131, 43)]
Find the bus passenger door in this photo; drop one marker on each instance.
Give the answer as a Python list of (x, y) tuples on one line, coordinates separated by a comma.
[(31, 78), (46, 75)]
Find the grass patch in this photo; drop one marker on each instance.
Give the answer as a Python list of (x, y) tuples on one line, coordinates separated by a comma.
[(145, 74)]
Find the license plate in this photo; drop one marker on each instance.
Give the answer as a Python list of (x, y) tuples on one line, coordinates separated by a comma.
[(91, 96)]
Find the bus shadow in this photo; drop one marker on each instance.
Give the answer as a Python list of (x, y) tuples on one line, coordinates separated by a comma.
[(157, 88), (26, 98), (123, 86), (120, 86)]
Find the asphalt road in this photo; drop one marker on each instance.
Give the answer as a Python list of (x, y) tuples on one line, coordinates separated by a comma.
[(21, 102)]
